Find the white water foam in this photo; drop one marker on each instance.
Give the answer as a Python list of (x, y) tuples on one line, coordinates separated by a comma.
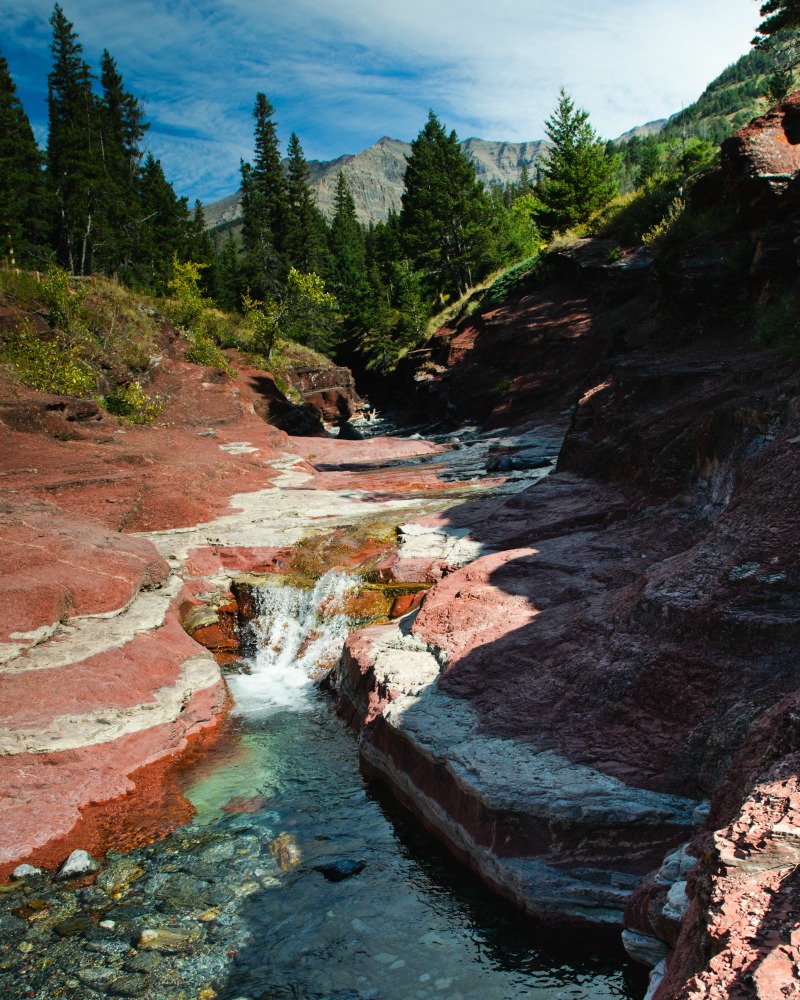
[(300, 633)]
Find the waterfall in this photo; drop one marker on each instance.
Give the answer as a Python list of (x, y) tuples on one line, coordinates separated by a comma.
[(299, 634)]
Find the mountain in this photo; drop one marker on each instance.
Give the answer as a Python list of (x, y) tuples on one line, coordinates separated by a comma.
[(375, 176)]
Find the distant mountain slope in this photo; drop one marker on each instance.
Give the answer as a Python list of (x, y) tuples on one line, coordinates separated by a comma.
[(730, 101), (375, 176)]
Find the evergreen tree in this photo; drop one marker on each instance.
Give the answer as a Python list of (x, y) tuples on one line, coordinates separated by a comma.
[(122, 128), (264, 206), (576, 177), (164, 228), (21, 180), (649, 160), (74, 160), (779, 16), (444, 220), (200, 249), (230, 282), (348, 258), (306, 232)]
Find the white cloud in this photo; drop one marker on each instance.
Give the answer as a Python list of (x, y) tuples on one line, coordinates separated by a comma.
[(343, 74)]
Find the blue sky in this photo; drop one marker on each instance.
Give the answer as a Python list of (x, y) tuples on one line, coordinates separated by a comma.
[(342, 74)]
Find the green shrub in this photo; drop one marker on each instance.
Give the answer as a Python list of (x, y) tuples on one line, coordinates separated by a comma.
[(132, 402), (23, 288), (777, 321), (203, 351), (48, 365), (501, 287), (187, 303), (669, 225), (63, 301)]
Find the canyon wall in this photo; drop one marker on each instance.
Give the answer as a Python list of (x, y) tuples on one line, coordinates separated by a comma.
[(608, 693)]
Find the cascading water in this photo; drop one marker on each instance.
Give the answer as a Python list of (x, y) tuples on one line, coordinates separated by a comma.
[(299, 634)]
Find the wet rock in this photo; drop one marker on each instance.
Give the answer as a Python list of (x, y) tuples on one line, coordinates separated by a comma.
[(78, 863), (239, 805), (97, 979), (285, 851), (184, 892), (347, 432), (338, 871), (72, 926), (644, 948), (145, 961), (168, 941), (115, 879), (24, 871), (131, 985)]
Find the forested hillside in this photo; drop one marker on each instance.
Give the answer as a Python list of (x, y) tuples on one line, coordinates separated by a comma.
[(93, 202)]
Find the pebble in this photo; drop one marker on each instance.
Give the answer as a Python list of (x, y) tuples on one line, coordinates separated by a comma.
[(96, 978), (131, 985), (23, 871), (78, 863), (157, 939), (338, 871), (144, 961), (72, 926)]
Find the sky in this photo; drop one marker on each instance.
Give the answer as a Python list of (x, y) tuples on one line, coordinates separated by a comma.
[(343, 73)]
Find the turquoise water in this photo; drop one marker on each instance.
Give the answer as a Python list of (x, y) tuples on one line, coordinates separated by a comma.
[(412, 924)]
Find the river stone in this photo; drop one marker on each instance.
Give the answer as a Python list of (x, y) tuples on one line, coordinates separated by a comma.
[(168, 941), (23, 871), (131, 985), (117, 877), (72, 926), (185, 892), (338, 871), (78, 863), (96, 979), (144, 961)]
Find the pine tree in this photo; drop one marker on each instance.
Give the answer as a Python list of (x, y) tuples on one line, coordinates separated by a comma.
[(445, 215), (576, 176), (306, 232), (779, 16), (164, 229), (230, 283), (264, 206), (74, 159), (21, 179), (122, 128), (348, 259), (200, 249)]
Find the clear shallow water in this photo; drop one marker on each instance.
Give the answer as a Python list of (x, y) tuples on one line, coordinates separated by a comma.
[(413, 923)]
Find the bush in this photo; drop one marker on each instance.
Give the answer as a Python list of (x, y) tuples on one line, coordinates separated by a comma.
[(777, 322), (501, 287), (631, 216), (132, 402), (47, 365), (63, 302)]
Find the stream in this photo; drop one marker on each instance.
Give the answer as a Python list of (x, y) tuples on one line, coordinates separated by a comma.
[(297, 878)]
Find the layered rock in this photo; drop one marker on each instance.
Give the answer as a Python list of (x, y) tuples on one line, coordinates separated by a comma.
[(634, 617)]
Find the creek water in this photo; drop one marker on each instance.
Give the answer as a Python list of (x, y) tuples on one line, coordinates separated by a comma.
[(364, 904)]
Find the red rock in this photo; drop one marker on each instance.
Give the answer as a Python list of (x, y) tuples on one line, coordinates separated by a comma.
[(766, 153), (405, 603)]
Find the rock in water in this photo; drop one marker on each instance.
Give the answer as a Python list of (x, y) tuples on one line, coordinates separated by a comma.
[(78, 863), (338, 871), (23, 871), (347, 432)]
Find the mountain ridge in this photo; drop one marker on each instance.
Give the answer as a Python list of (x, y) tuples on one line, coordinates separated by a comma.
[(375, 176)]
